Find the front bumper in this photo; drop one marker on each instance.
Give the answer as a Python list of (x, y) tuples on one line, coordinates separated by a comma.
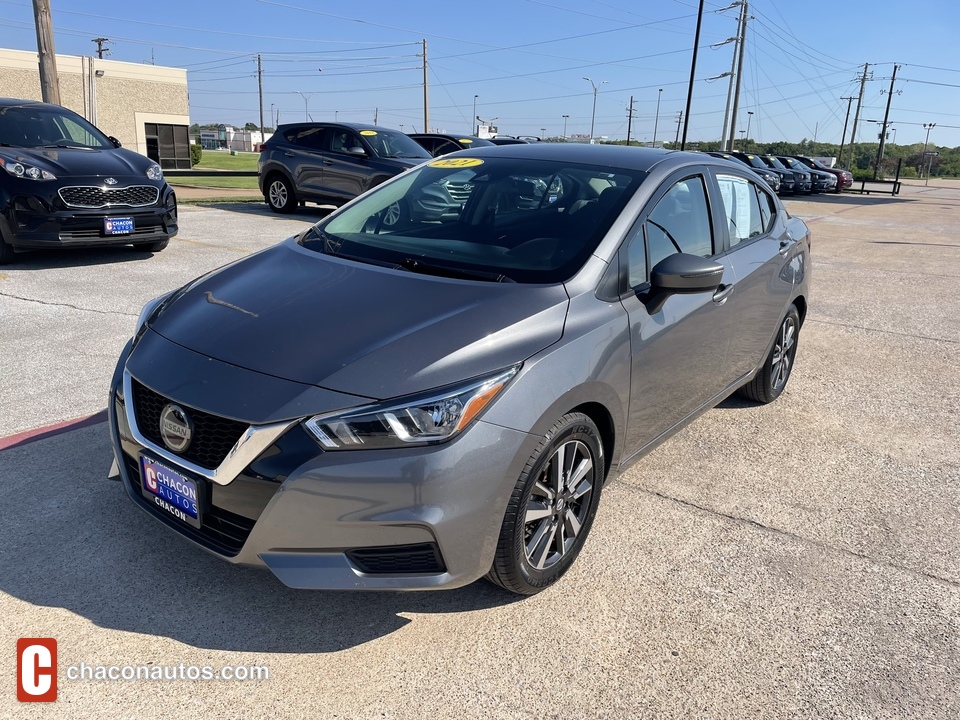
[(44, 222), (405, 519)]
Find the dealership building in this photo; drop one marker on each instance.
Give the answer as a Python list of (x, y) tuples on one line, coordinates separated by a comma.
[(146, 107)]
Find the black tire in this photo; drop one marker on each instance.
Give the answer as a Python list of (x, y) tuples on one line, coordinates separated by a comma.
[(280, 195), (772, 378), (6, 252), (573, 440), (153, 247)]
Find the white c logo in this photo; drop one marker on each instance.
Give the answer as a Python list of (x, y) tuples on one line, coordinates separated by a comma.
[(35, 683)]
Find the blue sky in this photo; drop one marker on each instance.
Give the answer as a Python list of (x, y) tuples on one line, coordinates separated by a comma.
[(526, 59)]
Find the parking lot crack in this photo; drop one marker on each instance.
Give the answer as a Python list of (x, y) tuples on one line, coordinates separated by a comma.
[(887, 332), (66, 305), (754, 524)]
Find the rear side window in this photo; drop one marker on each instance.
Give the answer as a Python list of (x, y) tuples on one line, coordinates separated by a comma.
[(310, 137), (741, 208)]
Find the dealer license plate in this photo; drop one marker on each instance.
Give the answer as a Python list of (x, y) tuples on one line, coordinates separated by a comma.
[(118, 226), (170, 491)]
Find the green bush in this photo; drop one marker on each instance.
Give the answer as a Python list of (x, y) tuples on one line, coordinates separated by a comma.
[(196, 152)]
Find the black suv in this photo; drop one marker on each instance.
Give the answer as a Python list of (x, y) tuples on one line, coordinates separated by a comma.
[(331, 163), (438, 144), (63, 183)]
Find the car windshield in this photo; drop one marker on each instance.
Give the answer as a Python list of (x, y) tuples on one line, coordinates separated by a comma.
[(47, 126), (495, 219), (392, 144), (773, 162), (753, 161), (468, 141)]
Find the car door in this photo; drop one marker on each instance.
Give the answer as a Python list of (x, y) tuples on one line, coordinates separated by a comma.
[(302, 154), (679, 349), (346, 175), (759, 251)]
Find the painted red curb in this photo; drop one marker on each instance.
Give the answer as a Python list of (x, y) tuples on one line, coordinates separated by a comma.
[(42, 433)]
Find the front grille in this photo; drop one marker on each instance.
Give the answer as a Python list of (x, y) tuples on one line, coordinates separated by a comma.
[(221, 530), (459, 191), (139, 231), (398, 559), (213, 436), (91, 196)]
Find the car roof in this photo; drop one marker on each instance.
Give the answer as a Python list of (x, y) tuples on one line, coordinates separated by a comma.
[(15, 102), (349, 125)]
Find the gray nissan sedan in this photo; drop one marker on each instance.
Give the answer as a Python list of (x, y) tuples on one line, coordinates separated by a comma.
[(433, 383)]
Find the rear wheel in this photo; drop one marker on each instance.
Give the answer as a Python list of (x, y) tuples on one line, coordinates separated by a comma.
[(772, 378), (552, 508), (280, 195)]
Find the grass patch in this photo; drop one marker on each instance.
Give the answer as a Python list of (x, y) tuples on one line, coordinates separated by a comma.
[(223, 160), (244, 183), (218, 201)]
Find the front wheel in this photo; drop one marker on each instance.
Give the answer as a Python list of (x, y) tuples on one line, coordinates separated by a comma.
[(6, 252), (280, 195), (772, 378), (552, 508)]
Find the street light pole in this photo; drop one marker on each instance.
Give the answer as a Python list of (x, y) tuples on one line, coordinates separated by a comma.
[(742, 134), (565, 126), (593, 117), (749, 118), (473, 131), (928, 127), (656, 121), (306, 103), (543, 133)]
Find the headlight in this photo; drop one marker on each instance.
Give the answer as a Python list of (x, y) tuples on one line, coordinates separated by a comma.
[(154, 172), (28, 172), (419, 420)]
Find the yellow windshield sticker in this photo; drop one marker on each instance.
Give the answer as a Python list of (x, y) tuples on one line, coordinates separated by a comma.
[(465, 141), (456, 162), (368, 132)]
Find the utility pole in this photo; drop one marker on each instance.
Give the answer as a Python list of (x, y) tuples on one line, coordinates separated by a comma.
[(101, 41), (679, 123), (426, 108), (693, 72), (376, 114), (260, 87), (883, 131), (744, 10), (656, 120), (846, 120), (629, 119), (928, 127), (565, 126), (856, 115), (49, 81)]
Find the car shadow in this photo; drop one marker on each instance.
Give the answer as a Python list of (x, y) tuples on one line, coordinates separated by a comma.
[(72, 539), (76, 257), (847, 198), (311, 213)]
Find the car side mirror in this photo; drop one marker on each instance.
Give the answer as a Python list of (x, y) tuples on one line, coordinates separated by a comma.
[(357, 151), (681, 273), (114, 141)]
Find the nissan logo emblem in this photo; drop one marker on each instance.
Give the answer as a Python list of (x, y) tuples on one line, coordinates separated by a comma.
[(176, 429)]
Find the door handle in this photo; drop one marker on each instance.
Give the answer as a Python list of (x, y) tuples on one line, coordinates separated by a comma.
[(785, 246), (289, 154), (722, 293), (328, 162)]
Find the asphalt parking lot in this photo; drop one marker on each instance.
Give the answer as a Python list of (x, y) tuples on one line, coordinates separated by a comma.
[(799, 560)]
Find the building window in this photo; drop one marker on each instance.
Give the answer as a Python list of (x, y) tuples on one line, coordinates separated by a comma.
[(168, 145)]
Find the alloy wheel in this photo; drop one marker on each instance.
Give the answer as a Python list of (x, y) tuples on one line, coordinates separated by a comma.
[(783, 354), (278, 194), (558, 505)]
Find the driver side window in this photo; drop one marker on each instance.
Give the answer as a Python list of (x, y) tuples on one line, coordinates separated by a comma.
[(343, 140), (680, 222)]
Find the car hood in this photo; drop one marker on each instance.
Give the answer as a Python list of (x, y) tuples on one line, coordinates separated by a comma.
[(303, 316), (107, 162)]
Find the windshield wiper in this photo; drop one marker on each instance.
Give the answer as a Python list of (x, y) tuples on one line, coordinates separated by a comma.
[(418, 266)]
